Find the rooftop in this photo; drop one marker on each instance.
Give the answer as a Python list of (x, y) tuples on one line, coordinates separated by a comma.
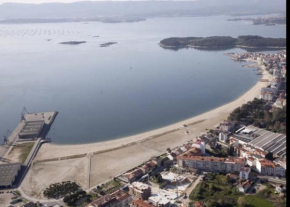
[(8, 172), (31, 129), (140, 185), (269, 141), (140, 203)]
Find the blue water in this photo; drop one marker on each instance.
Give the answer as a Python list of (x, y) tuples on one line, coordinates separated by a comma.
[(127, 88)]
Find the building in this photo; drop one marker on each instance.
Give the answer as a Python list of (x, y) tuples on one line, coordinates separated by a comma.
[(131, 176), (8, 173), (31, 130), (269, 142), (212, 164), (267, 94), (260, 141), (264, 167), (139, 191), (244, 173), (163, 198), (223, 137), (280, 103), (244, 186), (116, 199), (198, 144), (159, 201), (174, 179), (140, 203), (226, 126)]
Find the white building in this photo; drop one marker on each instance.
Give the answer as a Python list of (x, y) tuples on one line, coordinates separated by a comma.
[(223, 137), (267, 94), (244, 173), (199, 145)]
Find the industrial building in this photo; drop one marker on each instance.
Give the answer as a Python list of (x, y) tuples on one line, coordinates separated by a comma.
[(31, 130), (268, 141), (8, 173)]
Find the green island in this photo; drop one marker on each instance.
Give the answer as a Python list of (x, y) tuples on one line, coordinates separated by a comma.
[(248, 41)]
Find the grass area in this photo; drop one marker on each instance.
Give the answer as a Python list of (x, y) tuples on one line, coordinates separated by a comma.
[(108, 187), (23, 150), (217, 191), (255, 201)]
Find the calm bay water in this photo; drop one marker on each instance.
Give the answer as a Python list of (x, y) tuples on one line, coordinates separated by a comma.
[(127, 88)]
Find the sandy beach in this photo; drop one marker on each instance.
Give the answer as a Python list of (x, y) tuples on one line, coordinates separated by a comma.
[(111, 158)]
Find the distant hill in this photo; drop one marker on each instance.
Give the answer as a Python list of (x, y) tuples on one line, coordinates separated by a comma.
[(251, 41), (143, 9)]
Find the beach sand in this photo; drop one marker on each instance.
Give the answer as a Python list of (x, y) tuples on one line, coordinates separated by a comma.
[(114, 157)]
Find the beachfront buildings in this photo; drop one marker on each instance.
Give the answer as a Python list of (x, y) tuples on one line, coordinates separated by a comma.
[(212, 164), (139, 191), (226, 126), (268, 94), (116, 199)]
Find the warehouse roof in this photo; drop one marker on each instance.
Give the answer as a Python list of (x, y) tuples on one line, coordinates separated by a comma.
[(8, 172), (269, 141)]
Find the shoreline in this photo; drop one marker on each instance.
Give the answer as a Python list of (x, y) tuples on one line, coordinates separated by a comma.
[(60, 150), (92, 164)]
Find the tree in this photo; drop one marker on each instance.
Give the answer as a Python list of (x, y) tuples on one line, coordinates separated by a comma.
[(241, 202), (277, 126), (211, 203)]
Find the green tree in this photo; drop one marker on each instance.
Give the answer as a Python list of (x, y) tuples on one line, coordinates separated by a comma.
[(277, 126)]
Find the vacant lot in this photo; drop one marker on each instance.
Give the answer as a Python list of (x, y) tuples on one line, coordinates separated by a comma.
[(255, 201)]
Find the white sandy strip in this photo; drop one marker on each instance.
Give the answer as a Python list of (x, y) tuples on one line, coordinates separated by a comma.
[(215, 115)]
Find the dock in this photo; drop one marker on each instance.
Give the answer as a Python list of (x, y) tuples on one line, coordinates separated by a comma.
[(33, 127)]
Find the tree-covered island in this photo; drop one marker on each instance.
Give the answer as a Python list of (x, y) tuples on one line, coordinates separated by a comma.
[(250, 41)]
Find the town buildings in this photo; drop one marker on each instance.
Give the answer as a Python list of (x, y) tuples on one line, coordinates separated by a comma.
[(212, 164), (116, 199), (139, 191)]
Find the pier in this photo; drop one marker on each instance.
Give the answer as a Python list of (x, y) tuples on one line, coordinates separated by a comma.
[(31, 131)]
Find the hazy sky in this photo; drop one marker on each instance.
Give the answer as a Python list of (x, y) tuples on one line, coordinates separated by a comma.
[(43, 1), (62, 1)]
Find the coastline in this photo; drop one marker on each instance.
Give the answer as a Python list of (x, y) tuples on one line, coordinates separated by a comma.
[(92, 164), (57, 150)]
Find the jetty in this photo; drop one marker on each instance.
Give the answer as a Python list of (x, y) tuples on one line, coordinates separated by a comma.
[(31, 131)]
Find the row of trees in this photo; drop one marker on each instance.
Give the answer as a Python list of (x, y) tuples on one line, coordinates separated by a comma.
[(72, 199), (58, 190), (258, 114)]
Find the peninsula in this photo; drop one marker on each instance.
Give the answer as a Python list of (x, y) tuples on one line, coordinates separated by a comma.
[(250, 41)]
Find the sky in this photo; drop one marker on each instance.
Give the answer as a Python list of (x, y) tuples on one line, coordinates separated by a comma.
[(49, 1), (40, 1)]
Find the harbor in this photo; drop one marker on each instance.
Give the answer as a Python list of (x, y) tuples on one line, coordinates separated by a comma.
[(21, 146)]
